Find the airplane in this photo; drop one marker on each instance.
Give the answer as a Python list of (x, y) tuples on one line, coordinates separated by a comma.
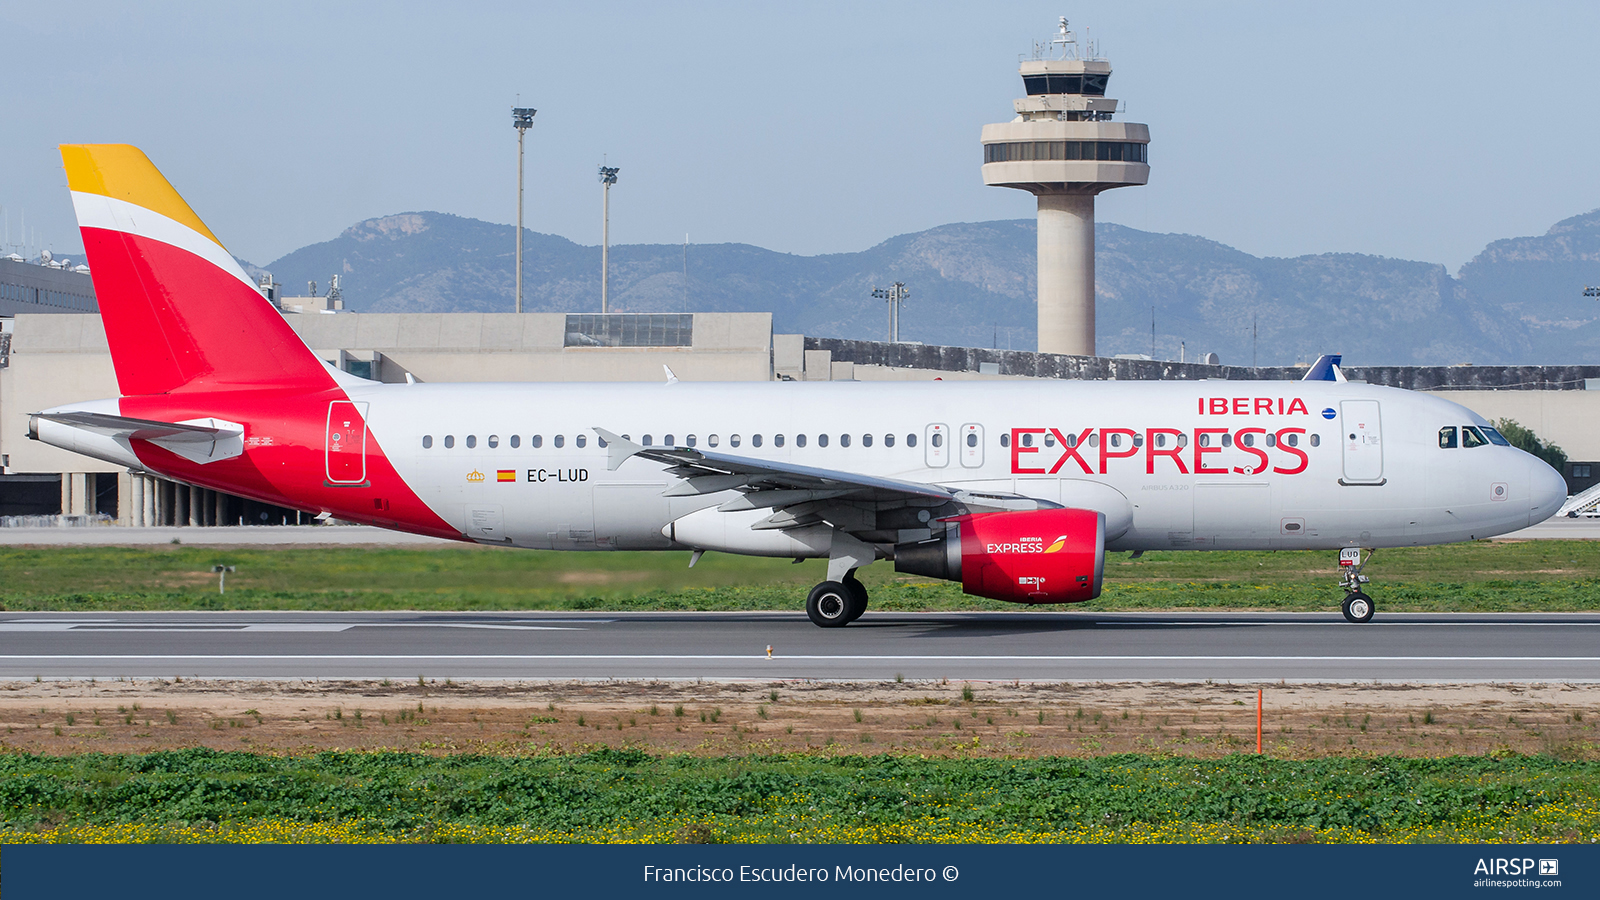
[(1015, 489)]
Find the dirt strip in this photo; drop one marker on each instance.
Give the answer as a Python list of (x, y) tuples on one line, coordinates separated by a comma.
[(934, 718)]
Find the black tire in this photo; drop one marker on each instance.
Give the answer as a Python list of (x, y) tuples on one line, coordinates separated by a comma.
[(858, 597), (828, 605), (1358, 607)]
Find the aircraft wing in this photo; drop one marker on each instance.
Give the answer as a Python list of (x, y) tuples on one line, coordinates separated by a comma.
[(1326, 368), (802, 495)]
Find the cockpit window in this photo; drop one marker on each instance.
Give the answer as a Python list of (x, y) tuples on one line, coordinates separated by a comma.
[(1447, 437), (1472, 437), (1496, 437)]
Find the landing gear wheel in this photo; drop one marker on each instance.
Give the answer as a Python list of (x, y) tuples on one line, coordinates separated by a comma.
[(828, 605), (1358, 607), (858, 598)]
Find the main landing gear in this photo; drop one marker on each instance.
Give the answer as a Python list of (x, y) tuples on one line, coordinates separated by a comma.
[(834, 604), (1357, 606)]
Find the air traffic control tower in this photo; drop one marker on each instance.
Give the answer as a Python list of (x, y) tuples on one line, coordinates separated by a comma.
[(1064, 148)]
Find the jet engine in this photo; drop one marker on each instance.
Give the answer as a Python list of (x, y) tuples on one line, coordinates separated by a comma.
[(1037, 556)]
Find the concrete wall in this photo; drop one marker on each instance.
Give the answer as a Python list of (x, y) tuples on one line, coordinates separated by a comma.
[(508, 347)]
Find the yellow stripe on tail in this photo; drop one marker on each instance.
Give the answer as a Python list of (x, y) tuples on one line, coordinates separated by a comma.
[(123, 172)]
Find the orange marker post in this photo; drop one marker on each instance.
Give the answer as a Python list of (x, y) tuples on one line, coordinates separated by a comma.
[(1258, 721)]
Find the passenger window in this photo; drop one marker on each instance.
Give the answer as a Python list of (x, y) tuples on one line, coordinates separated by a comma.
[(1116, 440), (1447, 438), (866, 440), (1072, 440), (601, 441), (1472, 437), (516, 441), (1247, 440), (888, 440), (1094, 440), (755, 440), (1138, 440), (561, 440), (777, 440), (1005, 440), (1205, 440), (494, 441), (1294, 440), (536, 441), (667, 441), (1316, 440), (1161, 440), (938, 439), (647, 442), (799, 440), (733, 440), (427, 442), (972, 440), (449, 441), (712, 440), (911, 440), (844, 440), (1049, 439), (690, 439), (1183, 440), (1227, 440), (1027, 440), (472, 441), (1272, 439), (581, 439), (822, 440)]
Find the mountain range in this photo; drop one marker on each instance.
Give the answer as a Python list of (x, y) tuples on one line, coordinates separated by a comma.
[(1519, 301)]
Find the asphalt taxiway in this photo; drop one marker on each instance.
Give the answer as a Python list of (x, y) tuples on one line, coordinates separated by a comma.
[(1076, 645)]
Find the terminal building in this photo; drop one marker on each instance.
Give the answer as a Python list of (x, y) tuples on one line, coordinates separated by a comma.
[(53, 358)]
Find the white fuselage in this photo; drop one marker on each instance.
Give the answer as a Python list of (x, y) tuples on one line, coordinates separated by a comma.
[(1329, 464)]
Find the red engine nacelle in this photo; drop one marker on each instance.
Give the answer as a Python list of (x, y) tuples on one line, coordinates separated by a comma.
[(1039, 556)]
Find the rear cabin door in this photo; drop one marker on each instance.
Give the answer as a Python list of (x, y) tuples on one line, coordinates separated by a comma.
[(346, 442), (1362, 435)]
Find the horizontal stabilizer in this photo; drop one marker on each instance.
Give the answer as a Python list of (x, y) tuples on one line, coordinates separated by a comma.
[(198, 440), (1326, 368)]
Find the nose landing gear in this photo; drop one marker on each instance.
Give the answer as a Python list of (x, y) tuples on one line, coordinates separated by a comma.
[(1357, 606)]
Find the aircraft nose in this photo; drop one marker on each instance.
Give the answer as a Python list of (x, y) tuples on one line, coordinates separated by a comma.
[(1547, 491)]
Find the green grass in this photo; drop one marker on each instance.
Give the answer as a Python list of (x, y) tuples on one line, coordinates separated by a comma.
[(628, 795), (1478, 576)]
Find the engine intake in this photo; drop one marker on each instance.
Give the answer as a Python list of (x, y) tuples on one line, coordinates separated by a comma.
[(1039, 556)]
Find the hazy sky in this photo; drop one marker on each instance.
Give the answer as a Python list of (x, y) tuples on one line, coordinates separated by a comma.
[(1415, 130)]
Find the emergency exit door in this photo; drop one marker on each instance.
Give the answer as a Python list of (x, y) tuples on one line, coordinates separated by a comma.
[(1362, 436), (346, 443)]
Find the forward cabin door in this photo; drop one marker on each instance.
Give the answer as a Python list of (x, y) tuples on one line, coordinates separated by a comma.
[(1362, 435), (345, 447)]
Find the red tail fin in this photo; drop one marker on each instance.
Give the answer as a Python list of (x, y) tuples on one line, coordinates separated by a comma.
[(179, 313)]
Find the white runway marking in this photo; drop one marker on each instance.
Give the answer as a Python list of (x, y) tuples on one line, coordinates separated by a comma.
[(760, 656)]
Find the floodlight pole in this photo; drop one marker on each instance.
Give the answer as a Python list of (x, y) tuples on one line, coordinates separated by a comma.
[(522, 120), (895, 294), (608, 177)]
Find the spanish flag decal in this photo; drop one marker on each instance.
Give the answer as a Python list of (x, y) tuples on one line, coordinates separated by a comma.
[(505, 475), (1056, 547)]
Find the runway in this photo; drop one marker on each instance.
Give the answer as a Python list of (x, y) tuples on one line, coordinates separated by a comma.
[(1080, 645)]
